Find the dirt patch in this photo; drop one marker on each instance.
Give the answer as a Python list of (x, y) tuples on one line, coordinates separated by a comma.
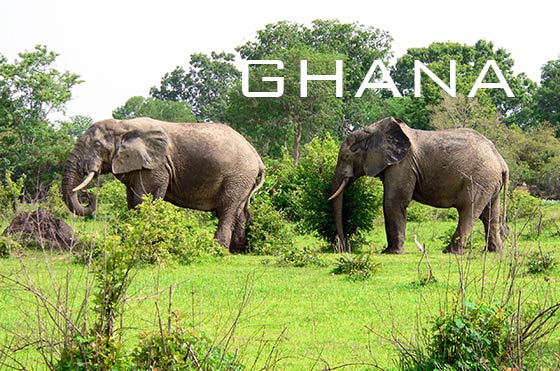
[(41, 229)]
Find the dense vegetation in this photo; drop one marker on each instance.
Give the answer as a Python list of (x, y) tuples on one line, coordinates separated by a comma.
[(78, 310)]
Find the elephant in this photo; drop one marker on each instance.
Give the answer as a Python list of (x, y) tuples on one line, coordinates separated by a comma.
[(203, 166), (453, 168)]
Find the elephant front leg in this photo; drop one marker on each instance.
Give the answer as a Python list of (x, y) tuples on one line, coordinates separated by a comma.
[(395, 227)]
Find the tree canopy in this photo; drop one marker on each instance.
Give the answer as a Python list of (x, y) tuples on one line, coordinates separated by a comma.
[(209, 88), (31, 92), (204, 87), (164, 110)]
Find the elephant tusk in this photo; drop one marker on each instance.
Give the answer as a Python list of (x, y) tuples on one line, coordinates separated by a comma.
[(85, 182), (340, 189)]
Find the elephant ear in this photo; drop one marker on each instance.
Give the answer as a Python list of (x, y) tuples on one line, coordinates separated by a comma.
[(142, 147), (387, 145)]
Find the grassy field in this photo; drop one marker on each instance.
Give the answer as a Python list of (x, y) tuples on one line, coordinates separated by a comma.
[(296, 318)]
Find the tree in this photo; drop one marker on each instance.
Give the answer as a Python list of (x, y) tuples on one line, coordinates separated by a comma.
[(548, 94), (75, 128), (469, 63), (204, 87), (157, 109), (357, 44), (460, 112), (31, 91), (289, 120)]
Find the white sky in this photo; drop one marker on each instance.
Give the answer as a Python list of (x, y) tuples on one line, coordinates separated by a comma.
[(122, 48)]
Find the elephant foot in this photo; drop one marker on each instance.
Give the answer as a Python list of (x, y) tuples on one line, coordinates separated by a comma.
[(392, 250), (493, 248), (454, 250)]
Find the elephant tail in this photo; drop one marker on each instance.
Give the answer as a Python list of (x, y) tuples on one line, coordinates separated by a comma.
[(505, 183), (262, 170)]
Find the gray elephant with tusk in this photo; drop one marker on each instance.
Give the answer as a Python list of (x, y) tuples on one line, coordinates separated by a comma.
[(199, 166), (456, 168)]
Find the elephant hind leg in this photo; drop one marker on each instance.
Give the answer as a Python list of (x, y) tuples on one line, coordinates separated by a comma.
[(226, 219), (491, 219), (464, 228), (238, 240)]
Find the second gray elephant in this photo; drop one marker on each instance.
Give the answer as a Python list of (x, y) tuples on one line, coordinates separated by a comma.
[(199, 166), (456, 168)]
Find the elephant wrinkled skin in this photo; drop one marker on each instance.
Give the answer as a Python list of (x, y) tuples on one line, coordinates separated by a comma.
[(199, 166), (457, 168)]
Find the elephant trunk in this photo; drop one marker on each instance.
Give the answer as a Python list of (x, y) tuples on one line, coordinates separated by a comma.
[(337, 202), (71, 183)]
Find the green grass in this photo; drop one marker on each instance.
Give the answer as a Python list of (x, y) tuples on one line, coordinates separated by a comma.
[(311, 318)]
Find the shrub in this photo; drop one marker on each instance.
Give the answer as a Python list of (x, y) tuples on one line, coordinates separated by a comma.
[(111, 201), (302, 191), (477, 337), (159, 232), (10, 192), (540, 262), (358, 267), (8, 245), (54, 202), (301, 257), (523, 206), (181, 349), (268, 231), (162, 232)]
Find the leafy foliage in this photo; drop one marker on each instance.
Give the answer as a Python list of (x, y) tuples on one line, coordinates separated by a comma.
[(302, 191), (477, 337), (204, 87), (358, 267), (540, 262), (548, 94), (10, 192), (31, 90), (157, 109), (181, 349), (470, 60), (289, 122), (158, 232), (268, 231)]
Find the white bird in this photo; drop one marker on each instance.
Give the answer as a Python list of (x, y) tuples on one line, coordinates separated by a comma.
[(419, 245)]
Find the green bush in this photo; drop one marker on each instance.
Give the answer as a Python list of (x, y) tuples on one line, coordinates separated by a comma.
[(477, 337), (8, 245), (268, 231), (54, 202), (10, 192), (540, 262), (181, 350), (358, 267), (301, 257), (111, 201), (522, 205), (159, 232), (302, 191), (93, 353)]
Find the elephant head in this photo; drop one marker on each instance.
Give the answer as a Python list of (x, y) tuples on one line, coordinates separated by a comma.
[(111, 146), (368, 151)]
